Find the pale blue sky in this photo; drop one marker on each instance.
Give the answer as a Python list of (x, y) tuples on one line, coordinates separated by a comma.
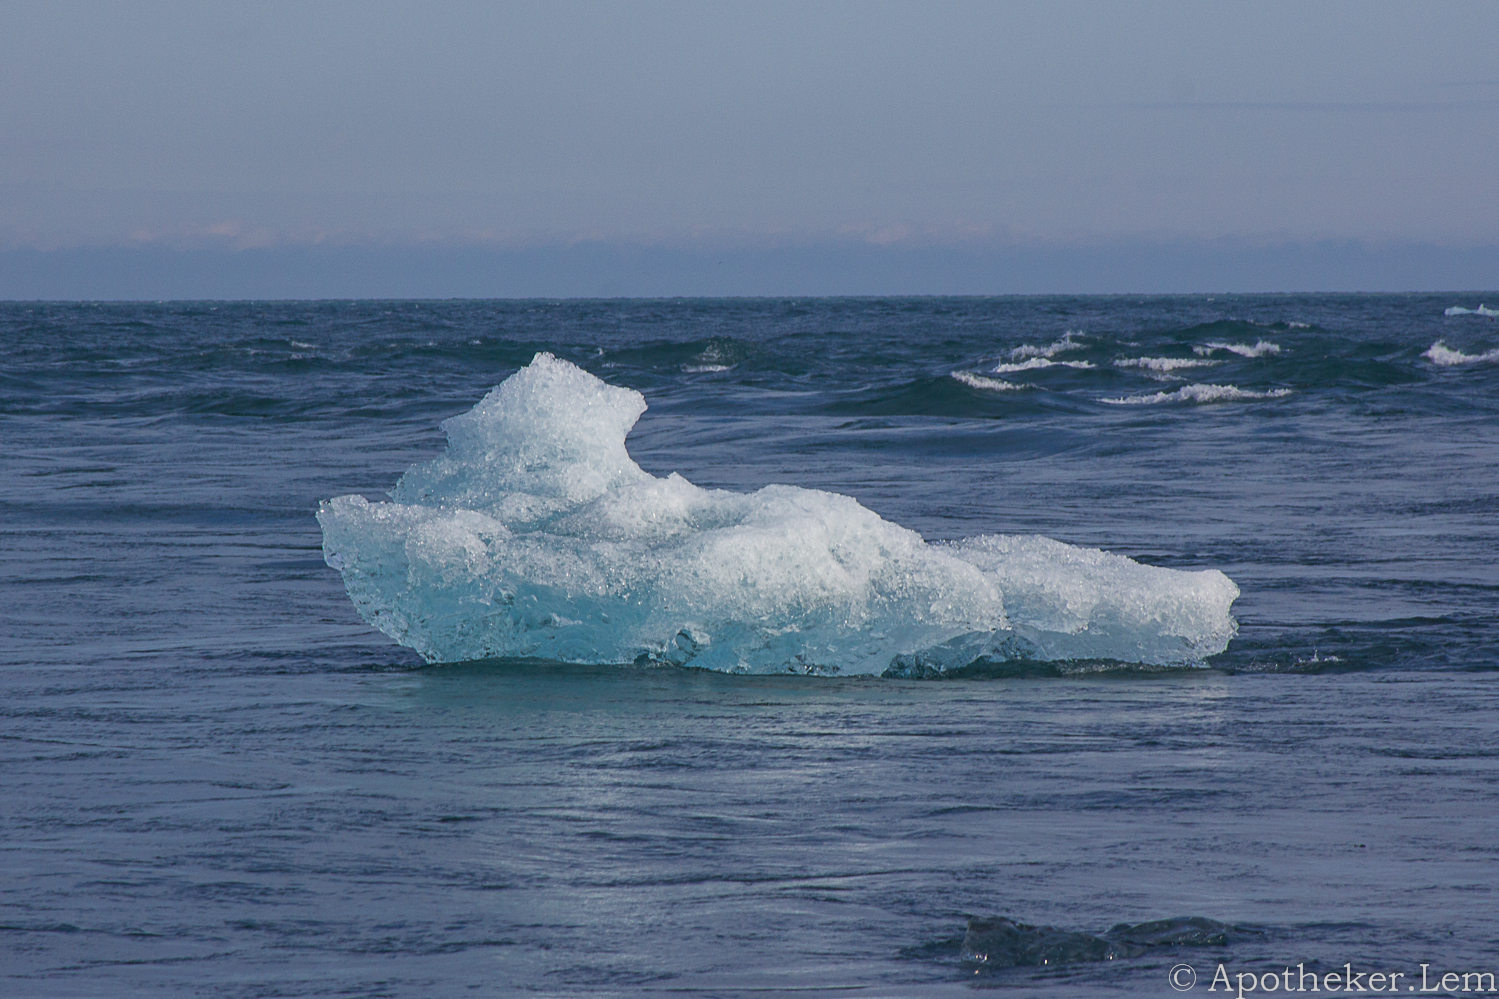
[(189, 125)]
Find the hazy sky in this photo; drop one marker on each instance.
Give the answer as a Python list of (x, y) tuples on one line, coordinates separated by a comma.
[(188, 124)]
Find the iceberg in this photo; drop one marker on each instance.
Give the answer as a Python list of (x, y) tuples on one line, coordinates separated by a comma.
[(536, 534)]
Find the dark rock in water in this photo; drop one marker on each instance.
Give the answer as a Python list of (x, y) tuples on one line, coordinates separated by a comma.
[(1003, 943), (1182, 931)]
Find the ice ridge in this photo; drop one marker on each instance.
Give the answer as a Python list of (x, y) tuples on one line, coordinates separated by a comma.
[(536, 534)]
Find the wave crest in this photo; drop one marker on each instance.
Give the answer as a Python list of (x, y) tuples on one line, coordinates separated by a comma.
[(1440, 353), (1258, 349), (1197, 393)]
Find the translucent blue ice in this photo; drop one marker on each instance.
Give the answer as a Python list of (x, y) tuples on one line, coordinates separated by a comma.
[(536, 534)]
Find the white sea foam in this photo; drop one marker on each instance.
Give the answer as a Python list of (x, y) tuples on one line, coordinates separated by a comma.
[(1482, 310), (699, 369), (1038, 362), (1050, 350), (1259, 349), (985, 384), (1440, 353), (1197, 393), (536, 534), (1164, 365)]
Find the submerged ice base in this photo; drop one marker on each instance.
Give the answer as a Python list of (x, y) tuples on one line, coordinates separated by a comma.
[(536, 534)]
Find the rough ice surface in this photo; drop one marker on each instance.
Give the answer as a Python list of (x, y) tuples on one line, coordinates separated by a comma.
[(536, 534)]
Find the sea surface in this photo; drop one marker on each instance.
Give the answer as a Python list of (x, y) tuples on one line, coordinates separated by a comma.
[(216, 780)]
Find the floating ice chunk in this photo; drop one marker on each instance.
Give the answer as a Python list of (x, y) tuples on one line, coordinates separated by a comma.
[(535, 534), (1197, 393), (1440, 353)]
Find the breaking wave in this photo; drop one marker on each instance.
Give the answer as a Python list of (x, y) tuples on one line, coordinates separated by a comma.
[(983, 384), (1258, 349), (1440, 353), (536, 534), (1050, 350), (1482, 310), (1164, 365), (1197, 393), (1039, 362)]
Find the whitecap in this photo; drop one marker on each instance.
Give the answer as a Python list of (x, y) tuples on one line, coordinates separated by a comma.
[(1164, 365), (1458, 310), (299, 343), (536, 534), (1051, 350), (698, 369), (983, 384), (1197, 393), (1259, 349), (1440, 353), (1039, 362)]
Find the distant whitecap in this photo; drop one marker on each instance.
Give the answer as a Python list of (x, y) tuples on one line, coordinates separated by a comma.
[(1163, 365), (1051, 350), (983, 384), (1197, 393), (1259, 349), (1038, 362)]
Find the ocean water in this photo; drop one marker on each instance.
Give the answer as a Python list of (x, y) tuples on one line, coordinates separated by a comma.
[(219, 780)]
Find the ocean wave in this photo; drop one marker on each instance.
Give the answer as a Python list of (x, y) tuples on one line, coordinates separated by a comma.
[(1164, 365), (1440, 353), (1259, 349), (536, 534), (699, 369), (1197, 393), (983, 384), (1482, 310), (1036, 363), (1050, 350)]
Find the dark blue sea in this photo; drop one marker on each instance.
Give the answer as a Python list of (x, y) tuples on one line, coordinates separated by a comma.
[(218, 780)]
